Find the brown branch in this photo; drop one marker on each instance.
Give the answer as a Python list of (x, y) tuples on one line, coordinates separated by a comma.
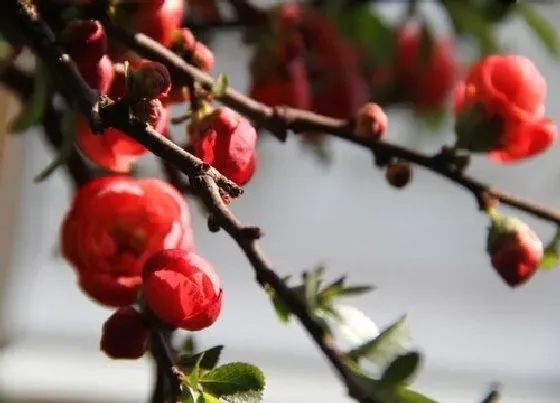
[(246, 238), (279, 120)]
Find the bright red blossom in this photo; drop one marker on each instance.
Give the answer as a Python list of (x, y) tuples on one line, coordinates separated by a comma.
[(159, 19), (182, 289), (227, 141), (86, 43), (124, 335), (511, 89), (428, 82), (515, 250), (114, 225), (113, 149)]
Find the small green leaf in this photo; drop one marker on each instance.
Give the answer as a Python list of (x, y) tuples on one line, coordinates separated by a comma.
[(312, 283), (220, 86), (188, 346), (33, 110), (402, 369), (235, 382), (282, 311), (207, 359), (333, 289), (550, 259), (544, 31), (362, 26), (355, 290), (404, 395), (468, 21), (207, 398), (393, 341)]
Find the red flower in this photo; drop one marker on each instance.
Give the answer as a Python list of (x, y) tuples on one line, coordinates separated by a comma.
[(515, 250), (287, 86), (371, 121), (227, 141), (114, 225), (86, 43), (182, 289), (159, 19), (508, 90), (114, 150), (428, 82), (124, 335)]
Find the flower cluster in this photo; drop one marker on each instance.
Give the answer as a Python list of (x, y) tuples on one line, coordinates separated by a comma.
[(125, 238)]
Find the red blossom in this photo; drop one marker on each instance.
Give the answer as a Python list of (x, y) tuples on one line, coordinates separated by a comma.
[(159, 19), (182, 289), (511, 90), (86, 43), (515, 250), (124, 335), (114, 150), (114, 225), (429, 82), (227, 141)]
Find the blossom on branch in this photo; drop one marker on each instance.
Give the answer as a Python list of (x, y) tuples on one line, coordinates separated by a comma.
[(114, 225)]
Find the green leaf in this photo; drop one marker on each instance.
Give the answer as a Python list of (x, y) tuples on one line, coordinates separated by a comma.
[(220, 86), (362, 26), (392, 342), (355, 290), (312, 282), (188, 346), (66, 150), (235, 382), (207, 398), (33, 110), (333, 289), (402, 369), (468, 21), (550, 258), (282, 311), (207, 359), (382, 392), (544, 31)]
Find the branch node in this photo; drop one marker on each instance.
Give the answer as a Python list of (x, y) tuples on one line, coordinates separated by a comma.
[(251, 233), (278, 124), (213, 223)]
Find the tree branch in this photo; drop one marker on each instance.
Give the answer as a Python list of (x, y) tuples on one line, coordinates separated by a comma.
[(246, 238), (278, 120)]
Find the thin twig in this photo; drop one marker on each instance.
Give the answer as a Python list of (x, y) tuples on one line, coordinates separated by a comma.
[(246, 238), (278, 120)]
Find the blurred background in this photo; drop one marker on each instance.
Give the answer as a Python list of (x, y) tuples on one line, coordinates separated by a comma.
[(422, 247)]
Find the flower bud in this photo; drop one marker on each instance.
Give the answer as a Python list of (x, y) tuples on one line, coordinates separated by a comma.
[(151, 80), (183, 41), (398, 174), (182, 289), (371, 121), (515, 249), (124, 335)]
